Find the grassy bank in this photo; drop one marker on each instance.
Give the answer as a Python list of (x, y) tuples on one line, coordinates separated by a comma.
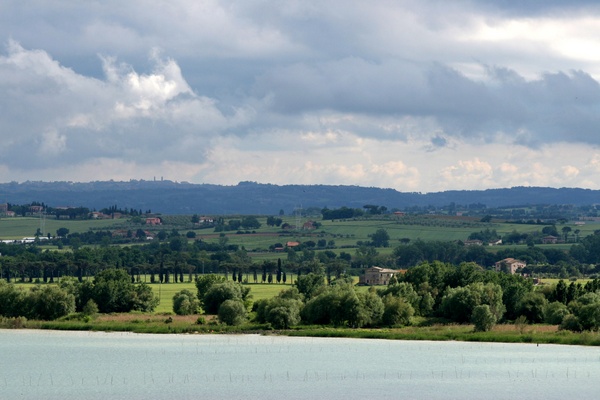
[(163, 323)]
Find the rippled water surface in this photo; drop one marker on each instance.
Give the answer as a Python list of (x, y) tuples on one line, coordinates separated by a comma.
[(93, 365)]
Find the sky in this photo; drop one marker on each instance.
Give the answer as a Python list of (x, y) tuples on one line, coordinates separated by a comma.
[(418, 96)]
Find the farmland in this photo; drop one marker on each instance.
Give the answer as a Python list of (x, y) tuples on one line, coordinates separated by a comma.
[(340, 235)]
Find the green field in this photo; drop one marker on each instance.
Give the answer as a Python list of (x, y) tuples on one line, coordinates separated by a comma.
[(343, 232), (20, 227)]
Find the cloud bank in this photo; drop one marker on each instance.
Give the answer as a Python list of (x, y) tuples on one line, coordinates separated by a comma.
[(417, 96)]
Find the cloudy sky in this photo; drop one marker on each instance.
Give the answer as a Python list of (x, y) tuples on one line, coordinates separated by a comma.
[(412, 95)]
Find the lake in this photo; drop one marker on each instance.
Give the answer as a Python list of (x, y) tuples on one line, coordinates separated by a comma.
[(96, 365)]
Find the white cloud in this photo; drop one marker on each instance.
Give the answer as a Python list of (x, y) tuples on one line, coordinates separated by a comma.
[(415, 95)]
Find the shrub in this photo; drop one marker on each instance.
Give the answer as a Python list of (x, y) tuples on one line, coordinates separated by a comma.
[(570, 323), (396, 311), (51, 302), (90, 308), (205, 282), (483, 318), (555, 312), (532, 306), (185, 303), (220, 292), (233, 312)]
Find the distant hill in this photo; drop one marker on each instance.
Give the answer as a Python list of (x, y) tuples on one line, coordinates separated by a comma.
[(169, 197)]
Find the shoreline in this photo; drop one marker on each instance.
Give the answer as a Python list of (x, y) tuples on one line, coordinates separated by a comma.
[(170, 324)]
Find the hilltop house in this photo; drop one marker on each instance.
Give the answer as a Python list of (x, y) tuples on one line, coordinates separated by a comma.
[(510, 265), (377, 276), (153, 221), (549, 239)]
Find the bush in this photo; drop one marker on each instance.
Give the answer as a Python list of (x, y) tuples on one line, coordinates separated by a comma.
[(483, 318), (233, 312), (50, 302), (90, 308), (310, 284), (396, 311), (185, 303), (220, 292), (205, 282), (570, 323), (555, 312), (532, 306)]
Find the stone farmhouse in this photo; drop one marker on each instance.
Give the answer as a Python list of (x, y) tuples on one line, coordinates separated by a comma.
[(510, 265), (377, 276)]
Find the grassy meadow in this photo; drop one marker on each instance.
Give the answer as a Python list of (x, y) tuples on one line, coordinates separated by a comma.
[(344, 233)]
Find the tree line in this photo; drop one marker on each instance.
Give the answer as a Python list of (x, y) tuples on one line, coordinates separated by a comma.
[(436, 291)]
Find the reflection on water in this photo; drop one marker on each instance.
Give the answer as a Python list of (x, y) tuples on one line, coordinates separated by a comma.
[(76, 365)]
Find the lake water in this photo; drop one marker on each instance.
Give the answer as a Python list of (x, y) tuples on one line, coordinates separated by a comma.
[(96, 365)]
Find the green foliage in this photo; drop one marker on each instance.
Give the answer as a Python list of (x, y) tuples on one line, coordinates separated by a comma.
[(570, 323), (380, 238), (310, 285), (396, 311), (587, 311), (340, 305), (143, 298), (532, 306), (483, 318), (90, 308), (185, 303), (555, 312), (233, 312), (405, 291), (50, 302), (220, 292), (113, 291), (204, 282), (459, 303), (282, 311), (46, 303), (11, 299)]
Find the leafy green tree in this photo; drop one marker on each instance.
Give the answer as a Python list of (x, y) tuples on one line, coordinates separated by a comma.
[(204, 283), (62, 232), (250, 223), (458, 304), (340, 305), (396, 311), (532, 306), (162, 235), (310, 284), (113, 291), (90, 308), (233, 312), (281, 312), (483, 319), (371, 310), (220, 292), (566, 230), (143, 298), (560, 292), (51, 302), (11, 299), (571, 323), (380, 238), (555, 312), (405, 291), (185, 303)]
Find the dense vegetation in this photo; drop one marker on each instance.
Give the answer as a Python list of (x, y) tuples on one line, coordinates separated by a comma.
[(446, 281)]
